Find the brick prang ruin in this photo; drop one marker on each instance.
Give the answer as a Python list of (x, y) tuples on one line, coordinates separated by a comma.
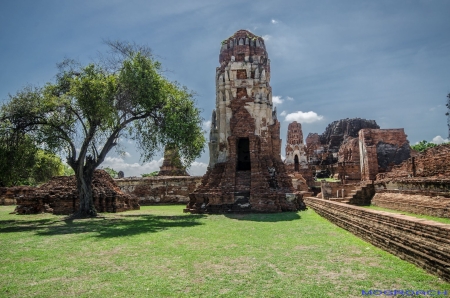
[(295, 148), (172, 165), (245, 172)]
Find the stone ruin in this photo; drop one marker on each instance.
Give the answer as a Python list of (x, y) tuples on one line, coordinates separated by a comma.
[(380, 150), (295, 149), (172, 165), (60, 196), (245, 172), (323, 149), (160, 189), (353, 150), (9, 195), (420, 184), (296, 161), (348, 165)]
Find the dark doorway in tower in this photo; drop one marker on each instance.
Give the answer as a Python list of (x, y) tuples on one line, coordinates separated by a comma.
[(296, 163), (243, 155)]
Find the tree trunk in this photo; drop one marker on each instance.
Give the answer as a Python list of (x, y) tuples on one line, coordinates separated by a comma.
[(84, 187)]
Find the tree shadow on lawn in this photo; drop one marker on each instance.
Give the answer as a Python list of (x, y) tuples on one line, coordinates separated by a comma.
[(107, 227), (14, 226), (265, 217)]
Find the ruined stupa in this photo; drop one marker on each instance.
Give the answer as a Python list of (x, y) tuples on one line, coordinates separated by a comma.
[(295, 148), (172, 164), (245, 172)]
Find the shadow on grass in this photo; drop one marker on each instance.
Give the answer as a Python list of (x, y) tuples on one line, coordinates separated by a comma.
[(265, 217), (109, 227), (13, 226)]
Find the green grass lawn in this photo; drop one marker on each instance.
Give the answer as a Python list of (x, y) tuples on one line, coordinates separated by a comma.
[(161, 252), (438, 219)]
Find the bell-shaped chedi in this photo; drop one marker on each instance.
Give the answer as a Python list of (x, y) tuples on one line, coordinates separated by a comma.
[(172, 164), (245, 172)]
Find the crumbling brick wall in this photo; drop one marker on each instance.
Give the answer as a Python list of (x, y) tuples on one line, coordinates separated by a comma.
[(160, 190), (348, 166), (433, 162), (420, 184), (9, 195), (60, 196)]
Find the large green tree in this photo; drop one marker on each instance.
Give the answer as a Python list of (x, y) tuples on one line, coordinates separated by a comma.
[(89, 109)]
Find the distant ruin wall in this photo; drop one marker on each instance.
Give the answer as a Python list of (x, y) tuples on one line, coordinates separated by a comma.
[(419, 185), (160, 190), (424, 243), (433, 162)]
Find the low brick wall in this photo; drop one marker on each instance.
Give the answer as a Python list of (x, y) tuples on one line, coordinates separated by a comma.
[(427, 196), (421, 242), (160, 189), (414, 203)]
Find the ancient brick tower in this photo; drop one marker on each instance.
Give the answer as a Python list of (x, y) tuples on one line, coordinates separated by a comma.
[(245, 170), (295, 148), (171, 165)]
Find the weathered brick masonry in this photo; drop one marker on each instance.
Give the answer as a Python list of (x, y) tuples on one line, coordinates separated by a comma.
[(9, 195), (419, 185), (432, 163), (172, 165), (160, 190), (245, 172), (421, 242), (60, 196), (380, 150)]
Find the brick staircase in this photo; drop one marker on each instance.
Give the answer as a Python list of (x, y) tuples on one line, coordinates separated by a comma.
[(359, 195)]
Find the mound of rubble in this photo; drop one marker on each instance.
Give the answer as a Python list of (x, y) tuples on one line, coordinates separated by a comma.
[(60, 196)]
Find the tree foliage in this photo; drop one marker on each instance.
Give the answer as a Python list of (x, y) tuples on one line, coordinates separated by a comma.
[(152, 174), (22, 162), (89, 109), (423, 145), (113, 173)]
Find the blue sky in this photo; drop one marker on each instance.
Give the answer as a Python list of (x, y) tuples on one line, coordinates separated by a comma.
[(383, 60)]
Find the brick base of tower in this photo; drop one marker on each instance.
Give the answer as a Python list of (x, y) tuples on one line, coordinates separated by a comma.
[(266, 187)]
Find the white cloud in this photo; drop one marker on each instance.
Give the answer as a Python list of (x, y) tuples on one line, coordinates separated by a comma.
[(274, 21), (136, 169), (438, 107), (132, 169), (197, 169), (206, 125), (303, 117), (439, 140), (290, 98), (276, 100), (127, 154), (283, 113), (266, 37)]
